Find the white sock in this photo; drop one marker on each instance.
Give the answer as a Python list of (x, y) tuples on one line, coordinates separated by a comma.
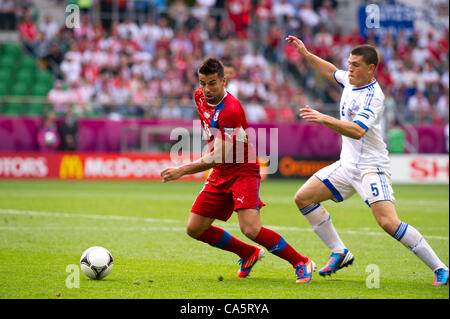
[(414, 241), (320, 221)]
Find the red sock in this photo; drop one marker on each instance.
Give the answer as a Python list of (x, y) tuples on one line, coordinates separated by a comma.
[(275, 244), (217, 237)]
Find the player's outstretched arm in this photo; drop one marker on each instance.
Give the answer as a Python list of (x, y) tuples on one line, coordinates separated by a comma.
[(206, 162), (349, 129), (323, 67)]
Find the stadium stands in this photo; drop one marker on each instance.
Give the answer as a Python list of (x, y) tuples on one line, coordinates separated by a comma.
[(151, 58)]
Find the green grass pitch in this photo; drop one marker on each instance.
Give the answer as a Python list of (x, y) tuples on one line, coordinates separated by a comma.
[(46, 225)]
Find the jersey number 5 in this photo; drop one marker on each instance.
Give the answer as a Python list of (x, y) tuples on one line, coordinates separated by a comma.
[(375, 191)]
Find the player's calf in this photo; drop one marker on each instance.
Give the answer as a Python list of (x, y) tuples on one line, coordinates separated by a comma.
[(386, 216)]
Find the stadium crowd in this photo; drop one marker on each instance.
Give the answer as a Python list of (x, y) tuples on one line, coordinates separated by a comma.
[(147, 67)]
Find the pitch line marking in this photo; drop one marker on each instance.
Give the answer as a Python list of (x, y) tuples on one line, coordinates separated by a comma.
[(232, 226), (181, 197)]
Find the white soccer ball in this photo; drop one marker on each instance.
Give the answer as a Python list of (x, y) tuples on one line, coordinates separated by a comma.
[(49, 138), (96, 262)]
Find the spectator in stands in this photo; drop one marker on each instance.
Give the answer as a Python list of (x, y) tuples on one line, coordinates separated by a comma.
[(40, 46), (239, 14), (179, 14), (103, 100), (138, 96), (445, 78), (254, 58), (185, 103), (68, 131), (420, 53), (328, 15), (143, 8), (429, 75), (354, 38), (419, 107), (121, 95), (181, 43), (106, 9), (308, 16), (165, 32), (28, 32), (159, 5), (322, 43), (285, 112), (7, 15), (63, 40), (396, 138), (386, 48), (232, 85), (168, 58), (49, 27), (263, 16), (85, 94), (254, 110), (128, 29), (271, 43), (48, 137), (150, 30), (75, 98), (391, 111), (58, 98), (71, 69), (213, 47), (282, 10), (200, 10), (206, 3), (441, 108), (170, 110), (53, 59)]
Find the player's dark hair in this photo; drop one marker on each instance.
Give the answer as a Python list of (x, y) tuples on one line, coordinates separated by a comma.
[(369, 54), (212, 66), (227, 63)]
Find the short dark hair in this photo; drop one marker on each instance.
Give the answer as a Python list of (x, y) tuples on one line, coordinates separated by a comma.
[(212, 66), (227, 63), (369, 54)]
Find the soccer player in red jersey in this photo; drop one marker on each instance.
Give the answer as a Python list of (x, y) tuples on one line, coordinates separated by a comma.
[(233, 184)]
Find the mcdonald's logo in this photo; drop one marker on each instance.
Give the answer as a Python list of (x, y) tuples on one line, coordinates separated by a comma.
[(71, 167)]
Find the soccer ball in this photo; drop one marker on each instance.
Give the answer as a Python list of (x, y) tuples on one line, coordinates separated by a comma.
[(96, 262), (49, 138)]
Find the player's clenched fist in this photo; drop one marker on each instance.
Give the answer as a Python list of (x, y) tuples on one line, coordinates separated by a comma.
[(171, 174), (298, 44)]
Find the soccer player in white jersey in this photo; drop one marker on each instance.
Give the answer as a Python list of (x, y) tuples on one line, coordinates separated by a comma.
[(364, 165)]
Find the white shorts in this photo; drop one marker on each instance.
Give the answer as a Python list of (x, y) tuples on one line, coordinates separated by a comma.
[(372, 185)]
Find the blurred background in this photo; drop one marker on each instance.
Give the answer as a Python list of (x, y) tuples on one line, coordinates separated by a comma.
[(93, 88)]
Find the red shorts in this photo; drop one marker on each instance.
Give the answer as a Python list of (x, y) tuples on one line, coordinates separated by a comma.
[(221, 195)]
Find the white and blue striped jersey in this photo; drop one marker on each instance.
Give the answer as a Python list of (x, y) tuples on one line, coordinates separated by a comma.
[(364, 106)]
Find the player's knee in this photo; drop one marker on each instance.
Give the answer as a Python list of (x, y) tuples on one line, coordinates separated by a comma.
[(250, 231), (301, 199), (388, 224), (194, 232)]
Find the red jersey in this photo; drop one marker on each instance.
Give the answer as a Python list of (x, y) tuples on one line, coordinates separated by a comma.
[(227, 121)]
